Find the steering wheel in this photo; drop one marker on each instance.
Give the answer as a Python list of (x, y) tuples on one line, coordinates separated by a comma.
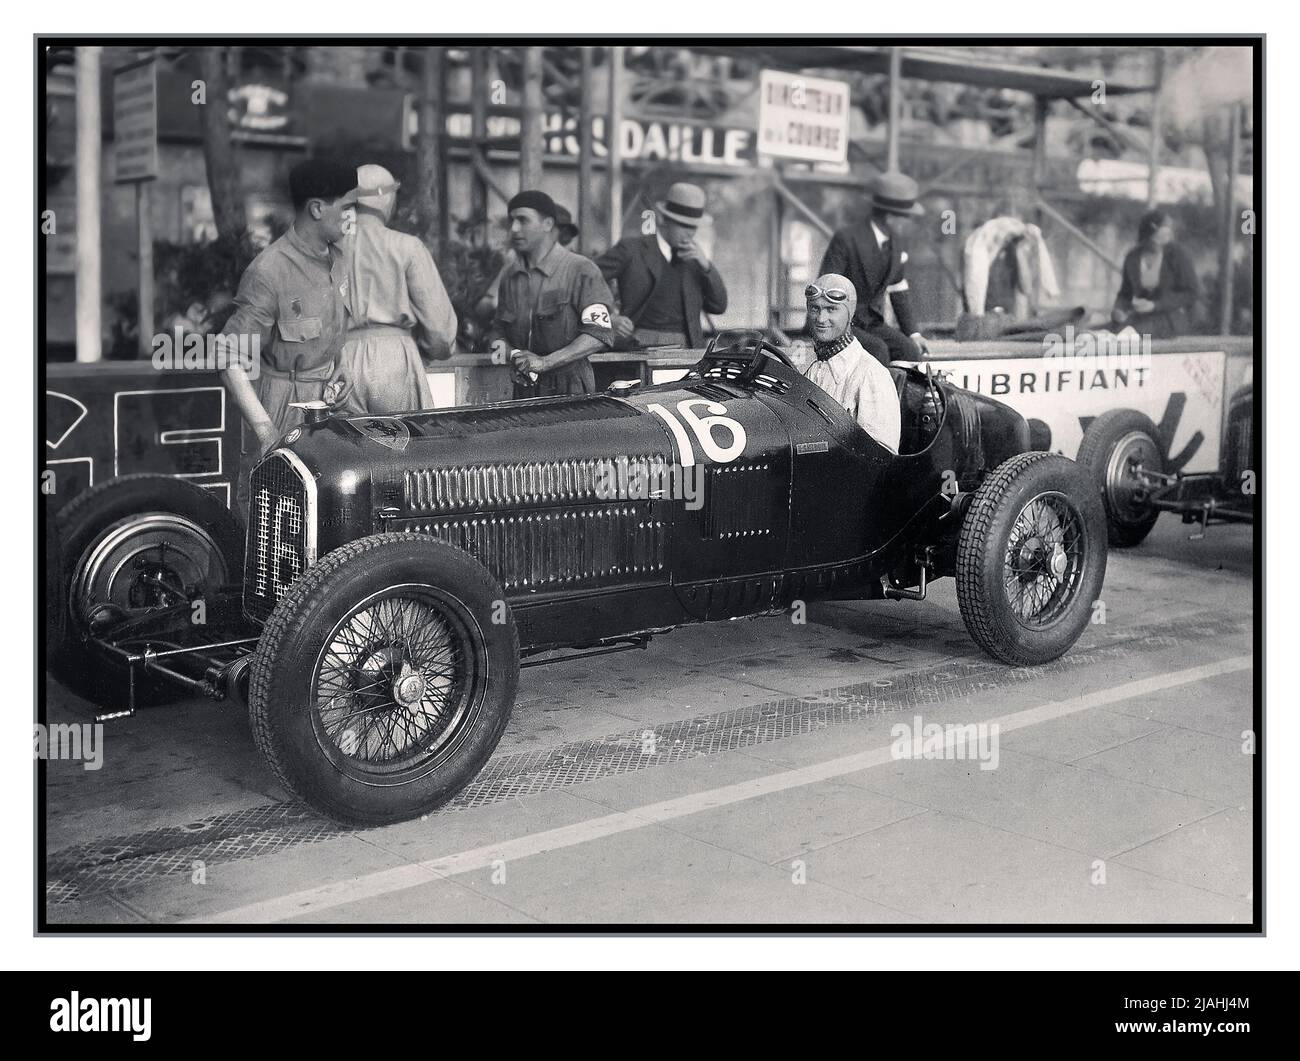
[(763, 349)]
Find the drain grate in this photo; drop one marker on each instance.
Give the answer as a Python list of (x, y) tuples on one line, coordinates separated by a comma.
[(122, 862), (126, 860)]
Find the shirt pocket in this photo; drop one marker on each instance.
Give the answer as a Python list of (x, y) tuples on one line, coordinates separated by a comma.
[(555, 324), (300, 329)]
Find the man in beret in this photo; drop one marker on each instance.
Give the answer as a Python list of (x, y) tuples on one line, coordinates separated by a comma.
[(293, 298), (845, 370), (872, 256), (565, 233), (553, 309), (399, 306), (664, 279)]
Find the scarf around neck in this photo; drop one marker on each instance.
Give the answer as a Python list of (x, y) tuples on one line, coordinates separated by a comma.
[(825, 351)]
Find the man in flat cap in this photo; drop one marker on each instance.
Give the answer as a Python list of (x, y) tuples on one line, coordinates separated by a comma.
[(399, 307), (553, 310), (871, 256), (664, 279), (293, 297), (843, 369)]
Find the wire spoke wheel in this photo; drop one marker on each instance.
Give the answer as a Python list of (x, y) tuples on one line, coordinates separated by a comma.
[(384, 678), (1031, 558), (395, 680), (1044, 559)]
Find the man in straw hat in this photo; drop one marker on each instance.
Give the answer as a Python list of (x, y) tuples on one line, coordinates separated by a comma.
[(871, 256), (399, 306), (664, 279)]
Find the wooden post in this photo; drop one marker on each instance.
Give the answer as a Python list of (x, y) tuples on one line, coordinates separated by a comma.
[(224, 183), (89, 291), (144, 301), (530, 126), (1229, 223), (775, 271), (431, 149), (478, 101), (1157, 121), (586, 201), (1038, 170), (895, 104), (1039, 163), (614, 144)]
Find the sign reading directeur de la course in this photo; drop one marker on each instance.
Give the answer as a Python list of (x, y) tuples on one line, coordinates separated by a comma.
[(803, 117), (135, 122)]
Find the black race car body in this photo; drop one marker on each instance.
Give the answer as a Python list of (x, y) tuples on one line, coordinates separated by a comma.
[(598, 515), (396, 570)]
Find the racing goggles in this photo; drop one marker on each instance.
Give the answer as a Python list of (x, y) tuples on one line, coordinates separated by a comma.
[(831, 294)]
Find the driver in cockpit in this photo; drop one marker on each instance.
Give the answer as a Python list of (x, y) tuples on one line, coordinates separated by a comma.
[(843, 369)]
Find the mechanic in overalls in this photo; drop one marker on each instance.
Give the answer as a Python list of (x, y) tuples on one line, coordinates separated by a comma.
[(399, 307), (293, 297), (553, 309)]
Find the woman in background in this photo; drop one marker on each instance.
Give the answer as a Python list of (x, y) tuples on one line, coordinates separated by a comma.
[(1159, 288)]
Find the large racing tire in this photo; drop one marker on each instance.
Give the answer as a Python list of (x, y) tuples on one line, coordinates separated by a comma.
[(127, 546), (384, 678), (1113, 444), (1031, 558)]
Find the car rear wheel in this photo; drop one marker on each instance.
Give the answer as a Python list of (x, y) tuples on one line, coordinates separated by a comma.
[(1114, 445), (1031, 559), (384, 678), (128, 547)]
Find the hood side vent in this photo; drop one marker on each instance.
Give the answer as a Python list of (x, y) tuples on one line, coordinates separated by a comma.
[(533, 483), (561, 548)]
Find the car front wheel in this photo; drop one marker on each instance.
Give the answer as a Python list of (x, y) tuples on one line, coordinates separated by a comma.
[(384, 678), (1031, 559)]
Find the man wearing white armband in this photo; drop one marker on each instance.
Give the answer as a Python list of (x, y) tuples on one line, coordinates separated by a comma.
[(553, 311)]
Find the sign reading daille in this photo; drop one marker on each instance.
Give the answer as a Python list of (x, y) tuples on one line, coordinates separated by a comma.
[(803, 117), (644, 139), (135, 122)]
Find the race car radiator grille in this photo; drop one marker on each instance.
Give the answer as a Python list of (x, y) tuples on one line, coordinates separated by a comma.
[(492, 486), (559, 548), (281, 532)]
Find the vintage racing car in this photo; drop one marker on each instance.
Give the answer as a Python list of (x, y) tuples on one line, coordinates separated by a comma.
[(1124, 453), (396, 570)]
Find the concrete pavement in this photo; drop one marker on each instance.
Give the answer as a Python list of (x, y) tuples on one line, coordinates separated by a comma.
[(709, 780)]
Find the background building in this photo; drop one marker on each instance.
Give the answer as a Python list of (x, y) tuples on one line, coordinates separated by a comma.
[(968, 129)]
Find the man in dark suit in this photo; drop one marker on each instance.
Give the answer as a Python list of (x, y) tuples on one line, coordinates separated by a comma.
[(871, 256), (664, 279)]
